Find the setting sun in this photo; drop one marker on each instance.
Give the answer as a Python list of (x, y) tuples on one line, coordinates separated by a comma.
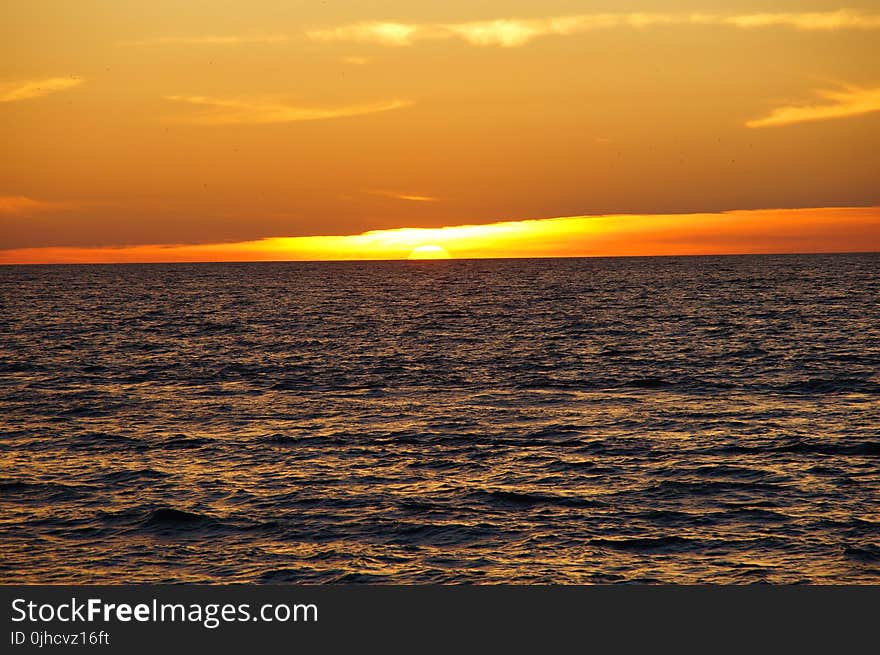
[(429, 251)]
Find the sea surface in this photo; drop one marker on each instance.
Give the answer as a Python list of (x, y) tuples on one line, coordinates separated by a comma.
[(676, 420)]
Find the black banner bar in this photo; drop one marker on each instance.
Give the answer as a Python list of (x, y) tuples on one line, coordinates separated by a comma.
[(151, 618)]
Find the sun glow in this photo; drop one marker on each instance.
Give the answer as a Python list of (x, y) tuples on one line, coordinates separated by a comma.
[(828, 229), (429, 251)]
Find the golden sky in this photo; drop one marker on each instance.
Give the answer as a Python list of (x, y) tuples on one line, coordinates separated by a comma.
[(259, 130)]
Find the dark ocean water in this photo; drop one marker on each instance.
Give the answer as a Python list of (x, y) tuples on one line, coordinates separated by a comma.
[(708, 419)]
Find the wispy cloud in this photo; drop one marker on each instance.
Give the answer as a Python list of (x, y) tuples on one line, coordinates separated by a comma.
[(513, 32), (852, 101), (397, 195), (25, 205), (211, 39), (356, 61), (14, 91), (222, 111), (387, 33), (817, 20)]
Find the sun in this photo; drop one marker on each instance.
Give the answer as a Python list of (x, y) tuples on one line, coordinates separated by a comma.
[(429, 251)]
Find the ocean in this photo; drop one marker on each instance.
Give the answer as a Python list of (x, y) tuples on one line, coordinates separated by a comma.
[(636, 420)]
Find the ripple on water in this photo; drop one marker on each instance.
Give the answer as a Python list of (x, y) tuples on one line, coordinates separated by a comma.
[(705, 419)]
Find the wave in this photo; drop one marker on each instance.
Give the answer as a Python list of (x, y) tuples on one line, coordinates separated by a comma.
[(672, 489), (831, 386), (840, 446), (127, 476), (666, 544), (170, 517), (24, 490), (503, 497), (648, 383), (863, 553), (184, 442)]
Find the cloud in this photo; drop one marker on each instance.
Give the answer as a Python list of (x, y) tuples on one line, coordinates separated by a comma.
[(513, 32), (356, 61), (23, 205), (414, 197), (211, 40), (220, 111), (822, 229), (818, 20), (13, 91), (384, 33), (852, 101)]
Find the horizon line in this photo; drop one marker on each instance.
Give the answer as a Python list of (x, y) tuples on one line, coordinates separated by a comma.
[(449, 259)]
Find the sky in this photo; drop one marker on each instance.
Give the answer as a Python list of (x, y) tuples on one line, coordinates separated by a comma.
[(230, 130)]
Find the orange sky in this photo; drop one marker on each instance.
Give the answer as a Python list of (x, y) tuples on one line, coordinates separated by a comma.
[(261, 130)]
